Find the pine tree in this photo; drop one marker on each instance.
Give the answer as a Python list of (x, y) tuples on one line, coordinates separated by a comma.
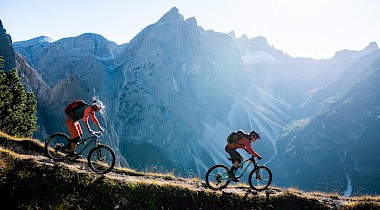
[(18, 115)]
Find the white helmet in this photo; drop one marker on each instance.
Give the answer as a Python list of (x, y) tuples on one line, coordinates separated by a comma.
[(97, 104)]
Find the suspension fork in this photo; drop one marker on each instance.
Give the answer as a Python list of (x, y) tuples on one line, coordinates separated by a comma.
[(99, 151), (256, 167)]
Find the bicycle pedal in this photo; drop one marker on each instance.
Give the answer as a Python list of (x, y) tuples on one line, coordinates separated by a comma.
[(73, 156)]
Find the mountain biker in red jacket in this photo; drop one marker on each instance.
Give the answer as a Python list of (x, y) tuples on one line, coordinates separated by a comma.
[(244, 143), (75, 128)]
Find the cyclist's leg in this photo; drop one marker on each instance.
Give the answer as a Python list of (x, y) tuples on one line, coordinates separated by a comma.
[(75, 132), (79, 129), (236, 160)]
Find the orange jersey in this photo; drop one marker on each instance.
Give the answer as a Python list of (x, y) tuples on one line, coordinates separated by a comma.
[(89, 112), (74, 126)]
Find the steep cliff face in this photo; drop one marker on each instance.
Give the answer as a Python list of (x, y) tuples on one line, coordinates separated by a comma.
[(160, 76), (7, 53), (185, 89), (337, 144), (32, 81)]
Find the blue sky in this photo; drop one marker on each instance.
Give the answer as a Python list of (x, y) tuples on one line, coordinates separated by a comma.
[(301, 28)]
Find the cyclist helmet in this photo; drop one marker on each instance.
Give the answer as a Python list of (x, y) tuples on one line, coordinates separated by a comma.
[(97, 104), (254, 134)]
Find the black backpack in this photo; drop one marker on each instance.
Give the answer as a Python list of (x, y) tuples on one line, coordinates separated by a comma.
[(74, 111), (236, 135)]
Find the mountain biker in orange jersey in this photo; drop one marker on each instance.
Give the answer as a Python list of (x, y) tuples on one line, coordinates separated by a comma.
[(244, 143), (75, 128)]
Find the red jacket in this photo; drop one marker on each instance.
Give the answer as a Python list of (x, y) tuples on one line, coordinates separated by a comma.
[(244, 143)]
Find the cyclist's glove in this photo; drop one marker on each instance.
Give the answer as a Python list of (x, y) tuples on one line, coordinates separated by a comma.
[(259, 158)]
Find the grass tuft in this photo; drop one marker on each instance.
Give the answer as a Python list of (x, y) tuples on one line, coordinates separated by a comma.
[(28, 181)]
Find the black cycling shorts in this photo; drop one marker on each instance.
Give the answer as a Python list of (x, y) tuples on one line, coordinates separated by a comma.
[(235, 156)]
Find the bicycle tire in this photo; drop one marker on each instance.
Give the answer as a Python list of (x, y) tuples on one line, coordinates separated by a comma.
[(51, 146), (262, 182), (101, 159), (213, 176)]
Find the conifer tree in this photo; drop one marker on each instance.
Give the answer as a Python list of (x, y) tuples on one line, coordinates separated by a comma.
[(18, 115)]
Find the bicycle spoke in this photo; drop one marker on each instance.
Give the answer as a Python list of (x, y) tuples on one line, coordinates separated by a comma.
[(260, 178), (101, 159), (216, 177), (56, 146)]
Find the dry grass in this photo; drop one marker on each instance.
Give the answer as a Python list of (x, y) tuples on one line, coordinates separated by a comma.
[(62, 187)]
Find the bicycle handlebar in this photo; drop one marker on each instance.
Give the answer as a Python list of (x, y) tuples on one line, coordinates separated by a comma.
[(97, 133), (253, 158)]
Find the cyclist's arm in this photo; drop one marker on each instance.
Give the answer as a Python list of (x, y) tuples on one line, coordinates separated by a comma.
[(87, 114), (248, 148), (95, 120)]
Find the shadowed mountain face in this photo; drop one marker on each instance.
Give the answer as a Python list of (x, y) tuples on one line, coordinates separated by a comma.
[(337, 145), (175, 92), (7, 53), (184, 89)]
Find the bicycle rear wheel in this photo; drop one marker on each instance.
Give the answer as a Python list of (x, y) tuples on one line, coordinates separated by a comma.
[(56, 146), (101, 159), (217, 177), (260, 178)]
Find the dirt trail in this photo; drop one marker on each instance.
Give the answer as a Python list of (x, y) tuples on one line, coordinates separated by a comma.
[(333, 201)]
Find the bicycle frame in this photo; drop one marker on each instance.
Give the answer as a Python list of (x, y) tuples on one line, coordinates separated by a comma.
[(87, 144), (244, 165)]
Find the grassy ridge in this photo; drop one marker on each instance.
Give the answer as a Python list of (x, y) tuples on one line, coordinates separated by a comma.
[(27, 183)]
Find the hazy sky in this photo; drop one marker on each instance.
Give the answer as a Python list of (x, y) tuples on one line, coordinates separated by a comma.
[(301, 28)]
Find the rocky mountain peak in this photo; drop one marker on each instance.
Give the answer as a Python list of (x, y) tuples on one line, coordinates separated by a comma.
[(372, 47), (2, 30), (85, 44), (260, 43), (232, 34), (171, 16), (34, 41)]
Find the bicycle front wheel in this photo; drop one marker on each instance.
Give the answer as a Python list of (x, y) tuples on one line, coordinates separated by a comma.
[(101, 159), (217, 177), (56, 146), (260, 178)]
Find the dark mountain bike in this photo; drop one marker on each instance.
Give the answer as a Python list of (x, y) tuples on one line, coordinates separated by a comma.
[(259, 178), (101, 158)]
